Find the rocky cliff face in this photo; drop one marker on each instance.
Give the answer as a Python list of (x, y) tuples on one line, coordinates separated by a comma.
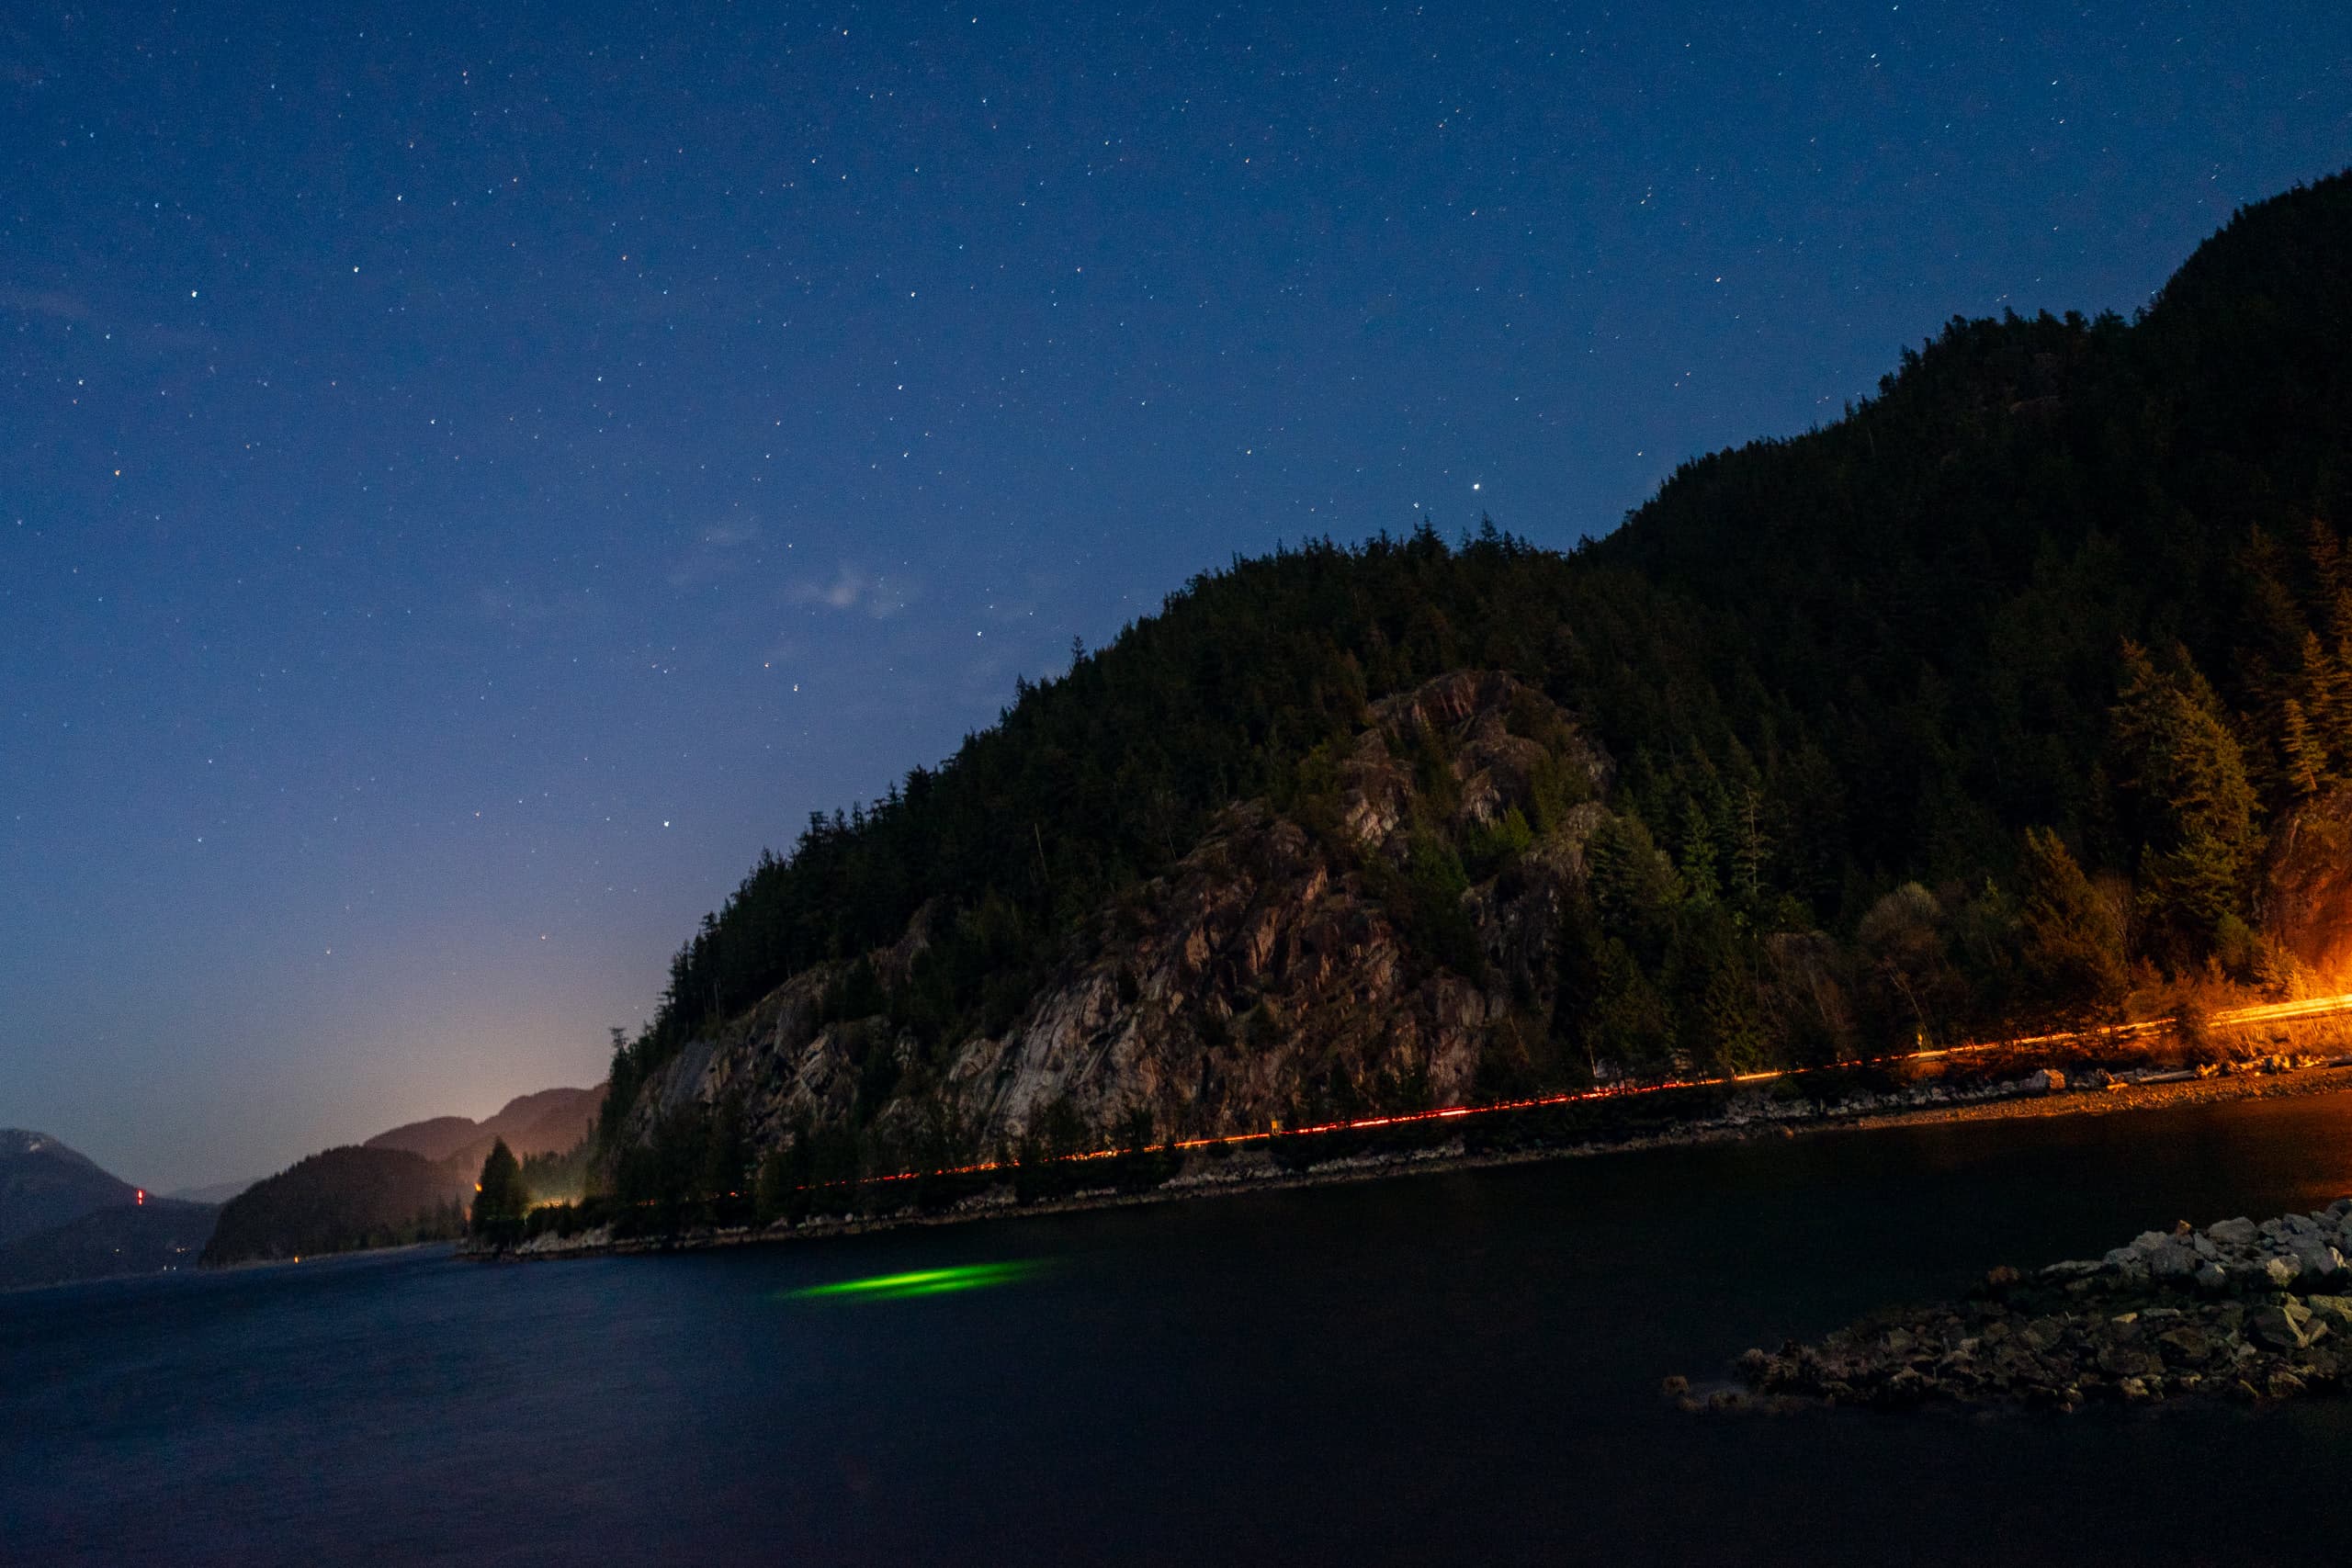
[(2306, 899), (1296, 962)]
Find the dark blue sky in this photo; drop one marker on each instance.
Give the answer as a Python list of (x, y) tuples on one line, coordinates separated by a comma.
[(470, 477)]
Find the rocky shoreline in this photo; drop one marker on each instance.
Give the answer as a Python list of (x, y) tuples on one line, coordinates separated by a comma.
[(1250, 1168), (2236, 1311)]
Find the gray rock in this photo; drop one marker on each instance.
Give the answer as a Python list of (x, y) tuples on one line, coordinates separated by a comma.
[(2282, 1271), (2273, 1329), (2173, 1261), (2315, 1257), (2334, 1309), (2186, 1345), (2239, 1232), (2211, 1277)]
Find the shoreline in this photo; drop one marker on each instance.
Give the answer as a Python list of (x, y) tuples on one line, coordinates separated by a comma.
[(1254, 1171), (2240, 1311)]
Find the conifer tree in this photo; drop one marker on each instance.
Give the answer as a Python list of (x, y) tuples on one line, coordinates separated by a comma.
[(2196, 810), (2071, 964), (2303, 760), (2325, 699), (500, 1198), (1698, 858)]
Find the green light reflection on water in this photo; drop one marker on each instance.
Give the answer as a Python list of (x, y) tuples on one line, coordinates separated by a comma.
[(918, 1283)]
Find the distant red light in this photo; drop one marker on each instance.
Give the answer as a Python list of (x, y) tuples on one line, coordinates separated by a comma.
[(140, 1195)]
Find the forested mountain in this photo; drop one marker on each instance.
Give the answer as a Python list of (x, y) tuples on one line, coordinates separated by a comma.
[(412, 1183), (1993, 702), (43, 1184), (339, 1201), (63, 1218), (160, 1234)]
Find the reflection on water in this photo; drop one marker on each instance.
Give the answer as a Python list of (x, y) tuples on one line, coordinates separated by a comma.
[(915, 1282), (1457, 1367)]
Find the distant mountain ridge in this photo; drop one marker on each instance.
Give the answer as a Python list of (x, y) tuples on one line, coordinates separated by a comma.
[(411, 1183), (62, 1218), (215, 1193), (551, 1121), (132, 1239), (44, 1184)]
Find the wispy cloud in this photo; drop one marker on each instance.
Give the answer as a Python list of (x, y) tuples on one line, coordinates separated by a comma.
[(527, 611), (717, 552), (851, 589), (53, 302)]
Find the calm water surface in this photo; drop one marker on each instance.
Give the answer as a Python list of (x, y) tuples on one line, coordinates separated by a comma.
[(1451, 1368)]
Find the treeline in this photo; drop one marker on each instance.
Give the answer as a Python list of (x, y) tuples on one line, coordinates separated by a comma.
[(700, 1169), (1975, 706)]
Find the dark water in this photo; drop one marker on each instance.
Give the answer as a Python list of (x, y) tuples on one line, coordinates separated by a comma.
[(1457, 1368)]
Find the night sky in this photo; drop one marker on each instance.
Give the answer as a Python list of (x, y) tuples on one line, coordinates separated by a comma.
[(471, 477)]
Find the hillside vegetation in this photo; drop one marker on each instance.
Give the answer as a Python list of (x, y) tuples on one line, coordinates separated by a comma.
[(342, 1199), (1996, 702)]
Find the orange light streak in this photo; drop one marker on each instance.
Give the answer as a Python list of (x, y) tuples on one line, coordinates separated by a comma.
[(2263, 1012)]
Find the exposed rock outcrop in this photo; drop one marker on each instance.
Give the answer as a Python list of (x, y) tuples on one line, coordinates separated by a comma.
[(2306, 892), (1268, 972)]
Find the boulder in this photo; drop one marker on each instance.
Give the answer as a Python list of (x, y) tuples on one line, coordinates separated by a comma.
[(2333, 1311), (2315, 1257), (2124, 1360), (2240, 1232), (2186, 1346), (2273, 1329)]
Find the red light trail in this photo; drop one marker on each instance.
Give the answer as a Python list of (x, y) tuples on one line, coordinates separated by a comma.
[(2264, 1012)]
